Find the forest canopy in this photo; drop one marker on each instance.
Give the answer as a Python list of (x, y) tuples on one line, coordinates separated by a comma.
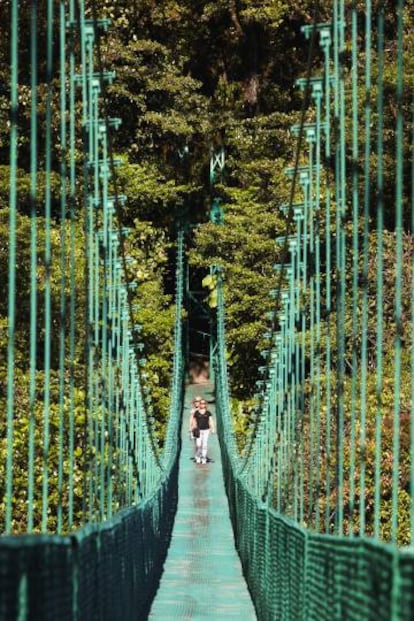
[(193, 79)]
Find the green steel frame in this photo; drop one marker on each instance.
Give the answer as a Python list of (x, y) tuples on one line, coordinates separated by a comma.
[(322, 494), (101, 494)]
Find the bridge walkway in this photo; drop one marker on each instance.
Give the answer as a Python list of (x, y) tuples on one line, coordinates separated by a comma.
[(202, 576)]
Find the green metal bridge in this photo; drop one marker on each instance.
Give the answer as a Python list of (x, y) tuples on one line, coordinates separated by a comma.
[(313, 516)]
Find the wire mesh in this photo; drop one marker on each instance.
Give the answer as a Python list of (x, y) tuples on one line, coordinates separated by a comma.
[(329, 460), (87, 495)]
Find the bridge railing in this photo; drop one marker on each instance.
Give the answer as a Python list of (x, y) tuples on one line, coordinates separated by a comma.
[(83, 481), (324, 483)]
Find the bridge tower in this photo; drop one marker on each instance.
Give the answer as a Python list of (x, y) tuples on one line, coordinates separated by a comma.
[(217, 163)]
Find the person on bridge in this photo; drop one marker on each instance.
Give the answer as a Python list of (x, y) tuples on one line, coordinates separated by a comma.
[(196, 405), (202, 419)]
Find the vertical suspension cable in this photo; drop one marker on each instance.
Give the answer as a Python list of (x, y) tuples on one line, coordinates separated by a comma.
[(317, 92), (355, 265), (398, 269), (72, 260), (77, 8), (311, 306), (412, 338), (14, 99), (298, 215), (304, 241), (48, 265), (300, 238), (365, 252), (63, 257), (292, 458), (379, 274), (104, 246), (33, 262), (110, 358), (77, 228), (339, 108), (98, 274), (77, 11), (341, 263), (326, 43)]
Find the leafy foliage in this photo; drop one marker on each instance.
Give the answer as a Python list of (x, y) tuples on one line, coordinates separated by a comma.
[(191, 76)]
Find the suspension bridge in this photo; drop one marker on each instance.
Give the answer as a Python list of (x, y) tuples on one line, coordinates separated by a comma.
[(312, 517)]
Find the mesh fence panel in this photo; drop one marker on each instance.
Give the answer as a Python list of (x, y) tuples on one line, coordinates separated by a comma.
[(295, 574), (36, 578), (406, 569), (106, 571)]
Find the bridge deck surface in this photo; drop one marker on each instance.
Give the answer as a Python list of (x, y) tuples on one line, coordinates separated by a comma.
[(202, 576)]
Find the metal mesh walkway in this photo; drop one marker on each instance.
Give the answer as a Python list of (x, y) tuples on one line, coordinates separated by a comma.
[(202, 575)]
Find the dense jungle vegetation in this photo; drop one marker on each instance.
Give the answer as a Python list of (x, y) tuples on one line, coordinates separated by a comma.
[(190, 76), (226, 80)]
